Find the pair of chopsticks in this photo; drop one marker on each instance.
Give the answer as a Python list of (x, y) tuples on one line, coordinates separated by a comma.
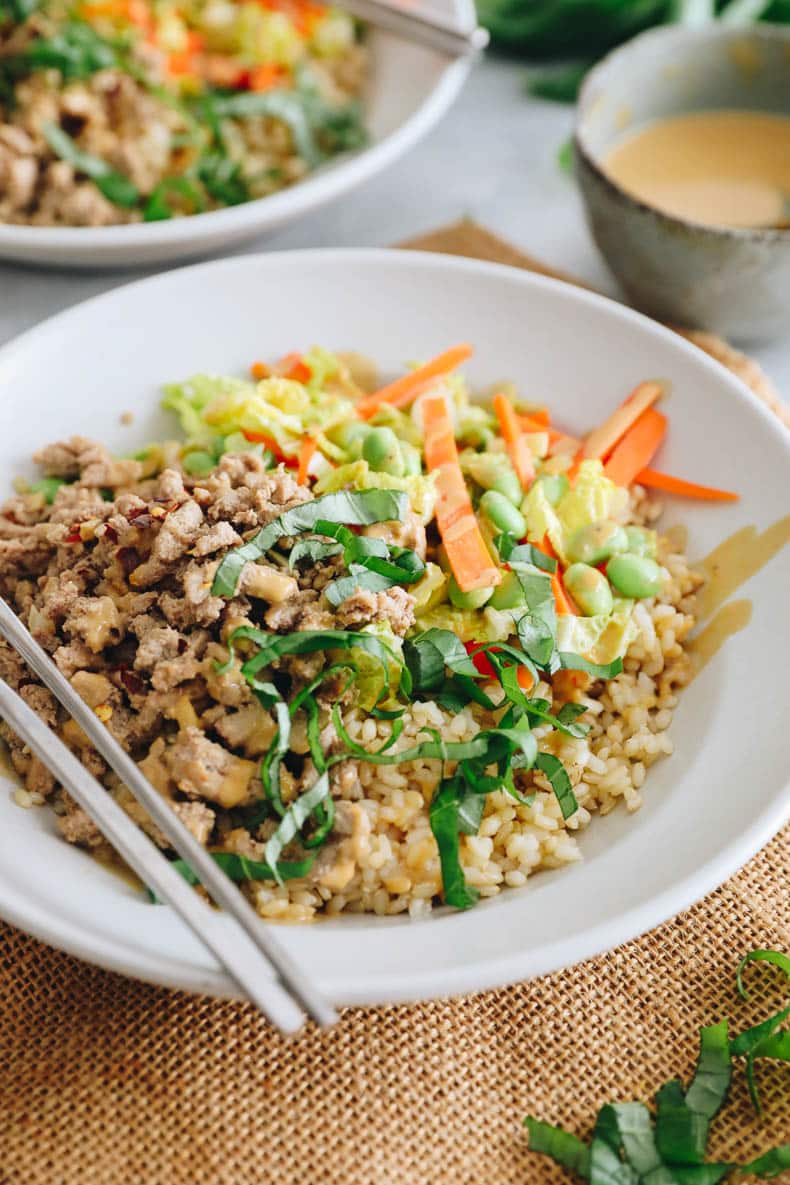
[(245, 946), (420, 25)]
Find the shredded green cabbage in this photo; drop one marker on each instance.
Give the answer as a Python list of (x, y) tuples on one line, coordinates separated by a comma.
[(598, 639), (359, 476), (592, 499), (281, 409)]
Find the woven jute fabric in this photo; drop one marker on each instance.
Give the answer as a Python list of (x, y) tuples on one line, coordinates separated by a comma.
[(108, 1081)]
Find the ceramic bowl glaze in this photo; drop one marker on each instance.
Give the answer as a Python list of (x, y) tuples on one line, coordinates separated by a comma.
[(733, 281)]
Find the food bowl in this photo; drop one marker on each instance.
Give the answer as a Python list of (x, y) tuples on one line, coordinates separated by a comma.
[(707, 808), (396, 117), (733, 281)]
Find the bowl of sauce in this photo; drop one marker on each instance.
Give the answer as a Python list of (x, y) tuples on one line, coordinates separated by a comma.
[(682, 150)]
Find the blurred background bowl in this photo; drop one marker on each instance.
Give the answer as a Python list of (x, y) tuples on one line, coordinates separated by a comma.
[(733, 281), (408, 91)]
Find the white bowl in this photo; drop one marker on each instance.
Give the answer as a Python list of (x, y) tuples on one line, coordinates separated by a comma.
[(410, 89), (707, 808)]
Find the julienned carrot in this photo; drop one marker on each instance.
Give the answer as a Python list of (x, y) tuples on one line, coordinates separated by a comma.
[(530, 424), (686, 489), (636, 448), (539, 417), (602, 440), (306, 452), (562, 600), (466, 551), (292, 367), (269, 442), (259, 370), (515, 439), (407, 388)]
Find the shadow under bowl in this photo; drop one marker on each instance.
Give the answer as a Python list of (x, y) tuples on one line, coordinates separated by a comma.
[(734, 281)]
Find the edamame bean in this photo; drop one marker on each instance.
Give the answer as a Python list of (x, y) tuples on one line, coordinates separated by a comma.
[(641, 541), (350, 436), (467, 600), (634, 575), (412, 461), (589, 590), (502, 514), (508, 594), (493, 471), (555, 485), (507, 484), (381, 450), (594, 543), (198, 463)]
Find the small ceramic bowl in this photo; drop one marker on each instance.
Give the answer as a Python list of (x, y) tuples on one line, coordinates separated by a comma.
[(733, 281)]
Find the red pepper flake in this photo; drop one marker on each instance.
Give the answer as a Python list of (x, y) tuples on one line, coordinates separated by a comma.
[(73, 536), (129, 558), (132, 682)]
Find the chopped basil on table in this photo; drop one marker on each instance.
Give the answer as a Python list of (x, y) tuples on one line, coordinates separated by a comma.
[(630, 1146)]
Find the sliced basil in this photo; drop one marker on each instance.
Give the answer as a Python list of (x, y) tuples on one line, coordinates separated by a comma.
[(358, 507)]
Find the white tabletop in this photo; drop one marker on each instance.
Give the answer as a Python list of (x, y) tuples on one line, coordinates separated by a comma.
[(493, 158)]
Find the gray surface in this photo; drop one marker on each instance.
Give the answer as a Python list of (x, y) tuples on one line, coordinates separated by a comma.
[(494, 158)]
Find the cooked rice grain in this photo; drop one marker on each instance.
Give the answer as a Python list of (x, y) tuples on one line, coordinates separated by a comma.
[(629, 718)]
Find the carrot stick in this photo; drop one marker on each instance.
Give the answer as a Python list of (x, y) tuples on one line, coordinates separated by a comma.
[(602, 440), (464, 544), (685, 489), (531, 424), (563, 602), (268, 441), (306, 452), (409, 386), (292, 367), (636, 448), (515, 439)]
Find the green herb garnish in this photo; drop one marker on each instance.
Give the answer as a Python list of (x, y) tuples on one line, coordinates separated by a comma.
[(116, 188), (48, 486), (358, 508), (630, 1147), (159, 206)]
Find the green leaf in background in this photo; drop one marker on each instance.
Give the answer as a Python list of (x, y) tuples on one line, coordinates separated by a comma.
[(76, 50), (550, 28), (115, 187), (159, 205), (559, 86)]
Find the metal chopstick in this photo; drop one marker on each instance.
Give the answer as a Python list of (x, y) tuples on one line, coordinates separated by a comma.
[(239, 956), (232, 947), (420, 26)]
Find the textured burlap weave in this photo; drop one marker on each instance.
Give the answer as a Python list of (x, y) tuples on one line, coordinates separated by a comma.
[(106, 1081)]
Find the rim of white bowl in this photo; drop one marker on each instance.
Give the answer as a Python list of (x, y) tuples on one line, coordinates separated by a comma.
[(414, 985)]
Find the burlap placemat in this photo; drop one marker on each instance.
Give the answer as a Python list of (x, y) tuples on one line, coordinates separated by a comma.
[(107, 1081)]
